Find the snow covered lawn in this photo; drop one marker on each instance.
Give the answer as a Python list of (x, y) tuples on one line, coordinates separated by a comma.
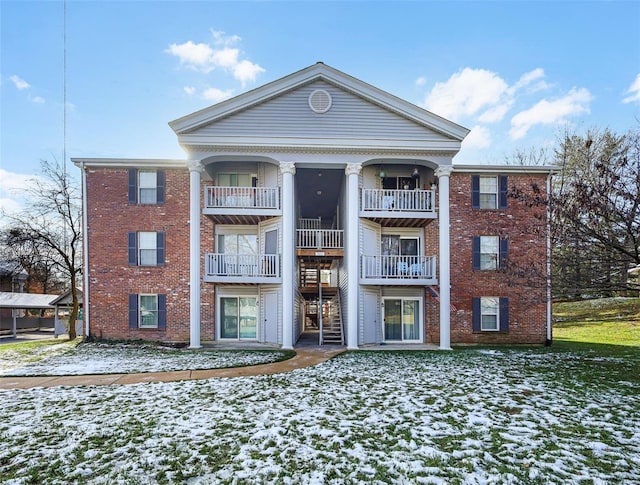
[(468, 416), (92, 358)]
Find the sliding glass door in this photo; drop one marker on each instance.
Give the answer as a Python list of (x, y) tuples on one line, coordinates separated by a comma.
[(238, 318), (402, 319)]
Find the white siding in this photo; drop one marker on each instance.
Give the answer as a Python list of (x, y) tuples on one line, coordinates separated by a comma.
[(289, 115)]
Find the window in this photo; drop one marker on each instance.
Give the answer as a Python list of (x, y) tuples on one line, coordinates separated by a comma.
[(489, 310), (238, 318), (146, 186), (235, 179), (489, 192), (401, 318), (400, 255), (146, 248), (490, 314), (147, 311), (490, 252)]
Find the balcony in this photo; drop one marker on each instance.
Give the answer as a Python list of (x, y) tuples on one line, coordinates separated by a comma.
[(241, 205), (320, 242), (383, 205), (398, 270), (242, 268)]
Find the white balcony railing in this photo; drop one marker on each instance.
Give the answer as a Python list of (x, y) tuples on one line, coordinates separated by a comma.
[(398, 200), (320, 239), (398, 267), (243, 265), (242, 197)]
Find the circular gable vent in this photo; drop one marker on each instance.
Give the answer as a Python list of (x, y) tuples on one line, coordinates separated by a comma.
[(320, 101)]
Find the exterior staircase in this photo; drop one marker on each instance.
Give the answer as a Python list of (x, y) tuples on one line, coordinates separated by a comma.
[(332, 333)]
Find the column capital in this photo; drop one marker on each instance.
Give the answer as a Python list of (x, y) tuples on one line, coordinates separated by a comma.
[(195, 166), (288, 167), (353, 168), (443, 171)]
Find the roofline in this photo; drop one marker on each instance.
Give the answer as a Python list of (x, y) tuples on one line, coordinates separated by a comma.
[(129, 162), (550, 169), (309, 74)]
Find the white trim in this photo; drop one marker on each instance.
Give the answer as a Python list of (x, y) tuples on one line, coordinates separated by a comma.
[(548, 265), (498, 169), (285, 143), (85, 249), (149, 163), (140, 295)]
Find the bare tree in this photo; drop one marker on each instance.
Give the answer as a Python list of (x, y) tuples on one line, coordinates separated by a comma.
[(50, 226)]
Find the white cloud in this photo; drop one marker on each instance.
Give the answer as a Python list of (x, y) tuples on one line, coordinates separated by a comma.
[(478, 137), (246, 71), (633, 92), (421, 81), (547, 112), (12, 188), (216, 95), (466, 93), (205, 58), (37, 99), (19, 82), (528, 77), (190, 90)]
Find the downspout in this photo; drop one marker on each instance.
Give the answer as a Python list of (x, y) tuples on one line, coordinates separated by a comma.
[(85, 253), (549, 338)]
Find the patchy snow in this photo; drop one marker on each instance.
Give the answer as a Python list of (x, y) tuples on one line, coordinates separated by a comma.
[(118, 359), (366, 417)]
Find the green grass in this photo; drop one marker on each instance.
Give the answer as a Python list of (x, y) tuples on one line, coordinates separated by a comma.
[(609, 321), (34, 345)]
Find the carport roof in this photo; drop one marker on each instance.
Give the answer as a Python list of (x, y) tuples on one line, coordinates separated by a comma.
[(26, 300)]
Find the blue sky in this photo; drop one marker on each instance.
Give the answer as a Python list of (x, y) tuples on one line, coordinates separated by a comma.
[(514, 72)]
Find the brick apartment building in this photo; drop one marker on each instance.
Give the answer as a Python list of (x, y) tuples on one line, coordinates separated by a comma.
[(316, 204)]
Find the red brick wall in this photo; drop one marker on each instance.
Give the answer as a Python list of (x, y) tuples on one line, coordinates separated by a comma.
[(111, 279), (522, 282)]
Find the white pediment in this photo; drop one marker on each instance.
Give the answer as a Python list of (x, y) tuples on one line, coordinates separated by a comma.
[(319, 107)]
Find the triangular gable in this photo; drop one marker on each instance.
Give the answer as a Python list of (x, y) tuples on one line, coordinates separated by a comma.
[(362, 99)]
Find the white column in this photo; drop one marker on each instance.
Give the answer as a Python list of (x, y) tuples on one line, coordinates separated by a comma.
[(444, 263), (288, 170), (353, 253), (195, 169)]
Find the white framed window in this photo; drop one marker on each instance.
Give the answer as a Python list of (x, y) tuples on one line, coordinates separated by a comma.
[(489, 313), (402, 319), (238, 317), (235, 179), (147, 187), (147, 248), (489, 252), (488, 192), (148, 314)]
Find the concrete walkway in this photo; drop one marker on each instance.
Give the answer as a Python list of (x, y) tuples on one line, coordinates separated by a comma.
[(305, 357)]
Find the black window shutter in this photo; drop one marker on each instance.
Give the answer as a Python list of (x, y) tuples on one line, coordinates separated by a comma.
[(133, 186), (504, 186), (475, 191), (476, 314), (504, 252), (162, 311), (160, 248), (133, 311), (160, 189), (504, 314), (133, 249), (476, 252)]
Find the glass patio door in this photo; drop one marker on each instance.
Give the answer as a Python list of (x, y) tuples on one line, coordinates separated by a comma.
[(238, 318), (402, 319)]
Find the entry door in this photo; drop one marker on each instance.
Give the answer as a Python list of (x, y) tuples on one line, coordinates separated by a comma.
[(271, 317), (402, 319), (371, 318)]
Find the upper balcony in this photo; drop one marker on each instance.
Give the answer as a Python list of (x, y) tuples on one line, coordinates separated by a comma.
[(398, 270), (242, 268), (388, 205), (320, 242), (241, 205)]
